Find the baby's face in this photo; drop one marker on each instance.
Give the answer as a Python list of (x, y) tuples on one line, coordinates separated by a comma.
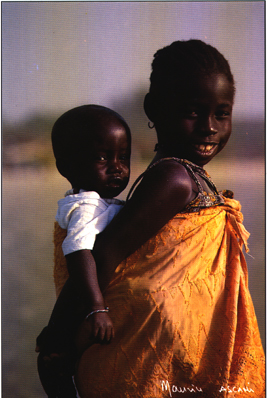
[(104, 166)]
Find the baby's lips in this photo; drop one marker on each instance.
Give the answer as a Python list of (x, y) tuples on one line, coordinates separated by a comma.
[(115, 181)]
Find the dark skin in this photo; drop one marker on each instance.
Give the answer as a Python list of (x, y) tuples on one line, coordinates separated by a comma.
[(197, 135), (195, 129), (106, 171), (103, 166)]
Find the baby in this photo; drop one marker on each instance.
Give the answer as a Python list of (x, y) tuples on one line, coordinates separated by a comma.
[(92, 147)]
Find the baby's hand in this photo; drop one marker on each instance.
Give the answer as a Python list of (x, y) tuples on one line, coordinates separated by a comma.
[(95, 329), (102, 327)]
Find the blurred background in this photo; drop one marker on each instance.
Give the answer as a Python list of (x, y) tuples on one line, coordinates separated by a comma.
[(58, 55)]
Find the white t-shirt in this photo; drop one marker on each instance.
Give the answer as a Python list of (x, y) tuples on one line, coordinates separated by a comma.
[(84, 215)]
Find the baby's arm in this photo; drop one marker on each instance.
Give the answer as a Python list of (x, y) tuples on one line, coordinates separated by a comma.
[(82, 269), (79, 296), (85, 216), (70, 308)]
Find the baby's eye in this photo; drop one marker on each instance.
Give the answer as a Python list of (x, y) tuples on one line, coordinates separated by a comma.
[(101, 158), (191, 113), (124, 157)]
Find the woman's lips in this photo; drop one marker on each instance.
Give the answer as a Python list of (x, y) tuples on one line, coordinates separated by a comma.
[(205, 149)]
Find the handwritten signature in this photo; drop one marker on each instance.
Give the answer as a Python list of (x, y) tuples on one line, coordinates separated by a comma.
[(235, 389), (194, 389), (172, 389)]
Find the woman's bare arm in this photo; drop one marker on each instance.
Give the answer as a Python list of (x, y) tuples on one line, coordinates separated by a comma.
[(164, 191)]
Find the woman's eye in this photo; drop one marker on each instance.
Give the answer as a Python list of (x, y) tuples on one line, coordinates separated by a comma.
[(193, 113), (222, 114)]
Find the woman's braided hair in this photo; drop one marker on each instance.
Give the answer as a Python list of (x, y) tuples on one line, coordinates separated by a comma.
[(183, 61)]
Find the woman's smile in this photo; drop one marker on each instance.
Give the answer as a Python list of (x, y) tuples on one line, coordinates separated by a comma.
[(205, 149)]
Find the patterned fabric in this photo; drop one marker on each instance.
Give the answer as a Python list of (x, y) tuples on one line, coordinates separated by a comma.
[(183, 316)]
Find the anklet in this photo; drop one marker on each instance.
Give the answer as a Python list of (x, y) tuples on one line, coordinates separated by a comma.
[(106, 309)]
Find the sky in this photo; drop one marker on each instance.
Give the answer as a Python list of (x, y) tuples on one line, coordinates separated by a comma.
[(58, 55)]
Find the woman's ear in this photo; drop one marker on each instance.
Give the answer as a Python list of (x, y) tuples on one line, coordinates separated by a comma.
[(149, 107)]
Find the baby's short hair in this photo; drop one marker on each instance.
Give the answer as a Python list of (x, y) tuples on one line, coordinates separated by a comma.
[(72, 131)]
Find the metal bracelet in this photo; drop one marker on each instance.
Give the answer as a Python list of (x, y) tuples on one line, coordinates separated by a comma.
[(106, 309)]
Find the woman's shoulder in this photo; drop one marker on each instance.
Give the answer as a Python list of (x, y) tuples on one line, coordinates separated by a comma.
[(166, 182), (171, 172)]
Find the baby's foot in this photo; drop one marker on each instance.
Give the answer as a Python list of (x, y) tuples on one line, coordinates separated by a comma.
[(56, 376)]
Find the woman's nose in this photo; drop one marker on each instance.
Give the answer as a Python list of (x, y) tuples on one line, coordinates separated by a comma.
[(209, 126)]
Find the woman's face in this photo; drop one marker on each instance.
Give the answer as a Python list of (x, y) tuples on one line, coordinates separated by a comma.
[(197, 126)]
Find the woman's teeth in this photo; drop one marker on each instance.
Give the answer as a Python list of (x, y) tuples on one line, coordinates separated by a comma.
[(204, 148)]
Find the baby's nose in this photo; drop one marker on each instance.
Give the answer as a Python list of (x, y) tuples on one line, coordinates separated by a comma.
[(115, 166)]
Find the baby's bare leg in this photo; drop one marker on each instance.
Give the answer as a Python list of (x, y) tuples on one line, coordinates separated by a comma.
[(55, 344)]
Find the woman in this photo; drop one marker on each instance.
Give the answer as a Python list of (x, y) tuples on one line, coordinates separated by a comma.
[(173, 272)]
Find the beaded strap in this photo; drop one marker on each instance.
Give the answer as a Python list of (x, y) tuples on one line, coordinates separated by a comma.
[(205, 199)]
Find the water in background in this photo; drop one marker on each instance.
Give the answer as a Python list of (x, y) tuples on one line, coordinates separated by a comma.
[(29, 203)]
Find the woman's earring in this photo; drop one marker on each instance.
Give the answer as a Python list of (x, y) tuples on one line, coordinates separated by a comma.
[(151, 126)]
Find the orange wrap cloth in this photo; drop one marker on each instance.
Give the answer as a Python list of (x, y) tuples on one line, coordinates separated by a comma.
[(183, 316)]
